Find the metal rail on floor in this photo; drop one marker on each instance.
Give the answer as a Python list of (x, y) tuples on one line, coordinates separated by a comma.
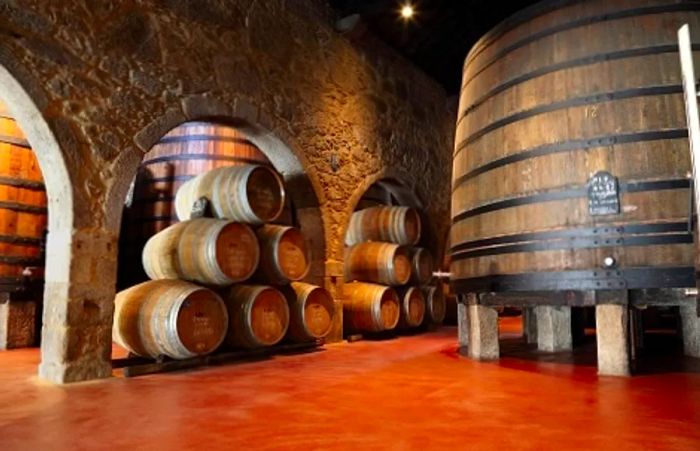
[(139, 366)]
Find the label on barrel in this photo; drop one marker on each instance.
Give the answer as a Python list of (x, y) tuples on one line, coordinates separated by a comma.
[(603, 194), (200, 208)]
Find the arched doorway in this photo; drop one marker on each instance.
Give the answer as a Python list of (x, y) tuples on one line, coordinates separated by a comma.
[(60, 203), (195, 146), (380, 252)]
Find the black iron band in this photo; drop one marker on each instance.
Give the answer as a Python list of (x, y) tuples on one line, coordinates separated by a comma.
[(573, 193), (20, 261), (157, 218), (579, 232), (567, 146), (199, 156), (514, 20), (578, 243), (200, 138), (24, 208), (154, 199), (585, 61), (168, 179), (21, 240), (657, 9), (568, 103), (594, 279), (22, 183), (15, 141)]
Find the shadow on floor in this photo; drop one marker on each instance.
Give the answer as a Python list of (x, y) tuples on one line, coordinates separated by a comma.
[(662, 353)]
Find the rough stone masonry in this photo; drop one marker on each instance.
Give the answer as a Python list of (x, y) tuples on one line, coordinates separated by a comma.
[(95, 84)]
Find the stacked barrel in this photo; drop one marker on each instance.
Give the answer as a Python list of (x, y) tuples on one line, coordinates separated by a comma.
[(223, 275), (386, 275)]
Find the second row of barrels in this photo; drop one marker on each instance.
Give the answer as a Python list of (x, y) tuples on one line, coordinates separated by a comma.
[(180, 320), (388, 264), (220, 252), (375, 308)]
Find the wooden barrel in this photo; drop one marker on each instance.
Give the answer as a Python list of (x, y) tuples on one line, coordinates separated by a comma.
[(369, 308), (400, 225), (23, 213), (284, 256), (571, 158), (186, 151), (311, 311), (206, 250), (383, 263), (169, 317), (251, 194), (412, 310), (421, 266), (434, 304), (259, 316)]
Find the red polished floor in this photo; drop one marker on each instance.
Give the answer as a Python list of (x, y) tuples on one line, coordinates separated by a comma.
[(407, 393)]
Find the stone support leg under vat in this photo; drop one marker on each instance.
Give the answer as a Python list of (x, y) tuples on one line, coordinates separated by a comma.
[(612, 336), (483, 331), (553, 328), (462, 324), (690, 323), (529, 325)]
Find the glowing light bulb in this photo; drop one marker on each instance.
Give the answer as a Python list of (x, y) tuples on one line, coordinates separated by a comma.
[(407, 11)]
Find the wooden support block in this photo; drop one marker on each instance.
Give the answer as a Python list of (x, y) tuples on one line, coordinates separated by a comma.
[(612, 336)]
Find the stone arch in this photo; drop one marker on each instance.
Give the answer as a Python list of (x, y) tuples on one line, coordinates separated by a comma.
[(24, 100), (279, 147)]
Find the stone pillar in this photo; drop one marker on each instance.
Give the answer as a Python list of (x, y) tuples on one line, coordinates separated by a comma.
[(690, 325), (17, 322), (529, 325), (78, 308), (462, 324), (483, 332), (333, 282), (612, 336), (553, 328)]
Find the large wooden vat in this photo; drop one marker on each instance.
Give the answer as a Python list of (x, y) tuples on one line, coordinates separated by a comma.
[(259, 316), (206, 250), (400, 225), (383, 263), (186, 151), (369, 307), (23, 211), (571, 158), (311, 311), (169, 317)]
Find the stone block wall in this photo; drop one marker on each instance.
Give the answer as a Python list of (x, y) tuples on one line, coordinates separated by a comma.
[(95, 84)]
